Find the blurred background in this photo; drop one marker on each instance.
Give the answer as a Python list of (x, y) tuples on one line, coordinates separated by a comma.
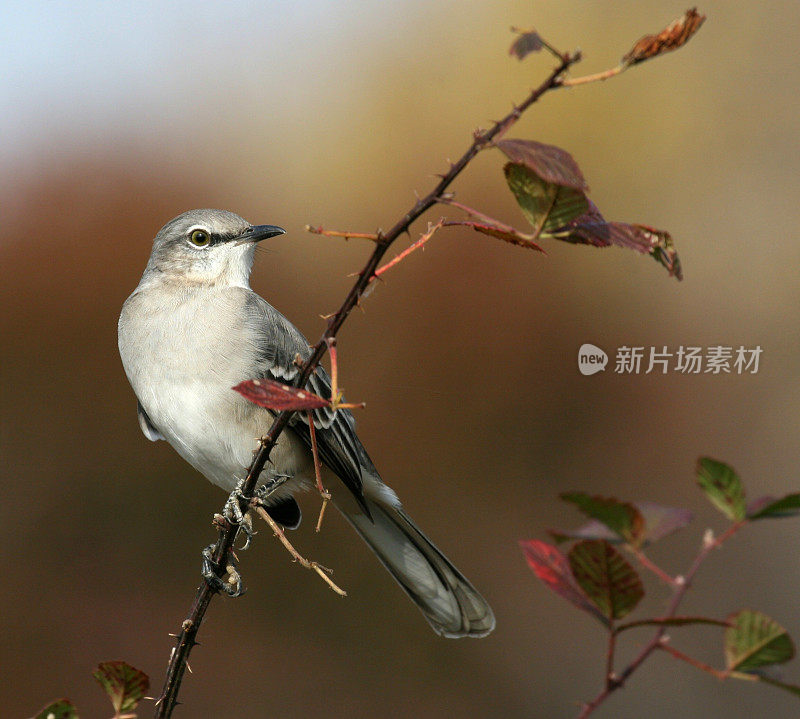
[(119, 116)]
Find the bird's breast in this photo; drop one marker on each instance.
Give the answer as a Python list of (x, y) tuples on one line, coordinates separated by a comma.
[(183, 353)]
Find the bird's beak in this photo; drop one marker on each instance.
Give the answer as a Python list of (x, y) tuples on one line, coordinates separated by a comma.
[(259, 232)]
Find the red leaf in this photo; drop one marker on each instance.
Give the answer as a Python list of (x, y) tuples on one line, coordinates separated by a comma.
[(509, 234), (549, 162), (527, 42), (276, 396), (592, 229), (675, 35), (552, 567)]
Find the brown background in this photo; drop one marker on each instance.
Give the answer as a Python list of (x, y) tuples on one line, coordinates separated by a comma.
[(466, 355)]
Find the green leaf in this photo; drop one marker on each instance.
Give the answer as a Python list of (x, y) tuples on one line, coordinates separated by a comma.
[(621, 518), (62, 709), (124, 684), (673, 622), (607, 578), (546, 206), (771, 508), (722, 486), (755, 640)]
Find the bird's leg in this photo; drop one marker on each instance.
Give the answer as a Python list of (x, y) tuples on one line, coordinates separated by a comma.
[(232, 512)]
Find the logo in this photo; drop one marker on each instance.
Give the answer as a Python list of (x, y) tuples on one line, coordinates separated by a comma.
[(591, 359)]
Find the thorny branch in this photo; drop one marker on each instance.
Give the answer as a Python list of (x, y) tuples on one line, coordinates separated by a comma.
[(481, 139), (659, 639)]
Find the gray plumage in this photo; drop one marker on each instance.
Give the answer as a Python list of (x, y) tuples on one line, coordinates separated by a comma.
[(192, 330)]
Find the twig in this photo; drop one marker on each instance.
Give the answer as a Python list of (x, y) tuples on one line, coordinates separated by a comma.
[(186, 641), (324, 493), (414, 246), (475, 213), (648, 563), (612, 646), (339, 233), (595, 77), (681, 587), (702, 666), (300, 559)]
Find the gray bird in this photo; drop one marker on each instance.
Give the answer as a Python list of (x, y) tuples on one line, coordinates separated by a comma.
[(192, 330)]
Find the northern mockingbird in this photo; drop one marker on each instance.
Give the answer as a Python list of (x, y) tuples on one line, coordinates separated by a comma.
[(192, 330)]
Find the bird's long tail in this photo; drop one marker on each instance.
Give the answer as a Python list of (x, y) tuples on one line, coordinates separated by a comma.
[(449, 602)]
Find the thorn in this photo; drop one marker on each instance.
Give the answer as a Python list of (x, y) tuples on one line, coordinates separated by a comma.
[(708, 538)]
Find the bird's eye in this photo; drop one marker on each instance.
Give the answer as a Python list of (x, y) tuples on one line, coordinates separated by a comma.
[(201, 238)]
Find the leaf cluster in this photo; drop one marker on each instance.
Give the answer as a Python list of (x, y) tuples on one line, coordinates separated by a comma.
[(596, 577)]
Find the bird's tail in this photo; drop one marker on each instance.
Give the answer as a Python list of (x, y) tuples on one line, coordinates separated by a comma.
[(449, 602)]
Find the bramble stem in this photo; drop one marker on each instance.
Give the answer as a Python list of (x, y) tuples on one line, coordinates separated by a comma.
[(481, 140)]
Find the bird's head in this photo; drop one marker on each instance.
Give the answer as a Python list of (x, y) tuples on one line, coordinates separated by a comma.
[(207, 247)]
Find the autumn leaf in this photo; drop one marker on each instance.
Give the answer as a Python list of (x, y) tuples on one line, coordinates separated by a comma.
[(528, 41), (549, 162), (675, 35), (279, 397), (552, 567)]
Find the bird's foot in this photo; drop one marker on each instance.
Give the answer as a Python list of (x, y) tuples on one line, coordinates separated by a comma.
[(270, 487), (232, 512), (233, 586)]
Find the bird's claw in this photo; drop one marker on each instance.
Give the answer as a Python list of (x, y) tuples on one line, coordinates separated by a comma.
[(270, 486), (233, 587), (233, 514), (233, 509)]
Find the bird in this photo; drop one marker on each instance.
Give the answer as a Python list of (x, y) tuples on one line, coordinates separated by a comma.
[(192, 330)]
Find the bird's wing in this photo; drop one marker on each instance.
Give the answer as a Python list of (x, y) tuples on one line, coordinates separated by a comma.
[(148, 428), (279, 342)]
